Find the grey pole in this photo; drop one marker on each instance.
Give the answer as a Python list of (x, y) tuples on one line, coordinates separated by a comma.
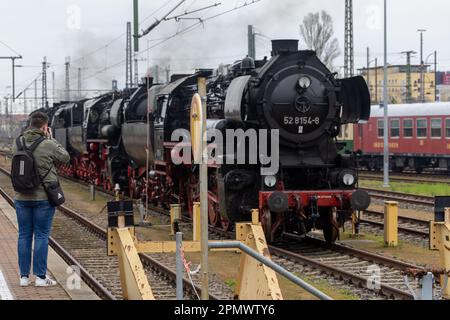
[(368, 66), (435, 76), (422, 66), (35, 95), (92, 189), (13, 79), (53, 87), (179, 266), (272, 265), (385, 104), (204, 195), (376, 81), (25, 106)]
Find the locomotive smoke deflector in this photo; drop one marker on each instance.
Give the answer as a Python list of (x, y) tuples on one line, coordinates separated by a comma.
[(355, 98), (280, 47)]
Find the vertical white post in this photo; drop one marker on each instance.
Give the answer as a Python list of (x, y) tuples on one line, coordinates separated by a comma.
[(204, 194), (179, 266), (385, 103)]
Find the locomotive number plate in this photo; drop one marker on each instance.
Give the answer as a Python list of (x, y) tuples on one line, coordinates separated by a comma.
[(301, 121)]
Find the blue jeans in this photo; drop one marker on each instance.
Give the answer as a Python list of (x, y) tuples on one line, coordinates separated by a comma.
[(33, 217)]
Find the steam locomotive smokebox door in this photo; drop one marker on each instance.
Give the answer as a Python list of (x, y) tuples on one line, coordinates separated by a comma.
[(117, 209), (440, 203)]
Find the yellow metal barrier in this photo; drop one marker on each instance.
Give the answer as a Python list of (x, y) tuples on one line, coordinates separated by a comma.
[(133, 279), (255, 280), (196, 221), (391, 223), (440, 240)]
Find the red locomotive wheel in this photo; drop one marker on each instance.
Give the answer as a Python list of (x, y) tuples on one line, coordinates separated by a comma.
[(213, 210), (132, 187), (266, 220), (192, 194), (226, 224), (331, 228)]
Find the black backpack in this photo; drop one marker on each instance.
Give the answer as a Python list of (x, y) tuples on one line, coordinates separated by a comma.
[(24, 172)]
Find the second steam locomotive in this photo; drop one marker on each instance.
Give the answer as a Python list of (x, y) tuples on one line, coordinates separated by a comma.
[(126, 138)]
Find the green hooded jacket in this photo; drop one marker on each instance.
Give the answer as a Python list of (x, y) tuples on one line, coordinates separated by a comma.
[(47, 155)]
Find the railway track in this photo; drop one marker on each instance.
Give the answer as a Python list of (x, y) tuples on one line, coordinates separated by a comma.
[(405, 224), (407, 177), (425, 201), (342, 266), (351, 268), (410, 230), (83, 243)]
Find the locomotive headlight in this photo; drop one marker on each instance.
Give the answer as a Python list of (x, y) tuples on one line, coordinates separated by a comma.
[(304, 82), (348, 179), (270, 181)]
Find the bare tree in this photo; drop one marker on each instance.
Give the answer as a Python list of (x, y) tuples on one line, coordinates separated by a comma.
[(317, 32)]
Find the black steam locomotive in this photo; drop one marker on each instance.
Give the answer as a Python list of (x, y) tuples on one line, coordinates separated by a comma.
[(125, 138)]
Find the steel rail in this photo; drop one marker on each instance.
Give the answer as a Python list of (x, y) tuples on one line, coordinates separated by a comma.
[(385, 289), (401, 197), (400, 227)]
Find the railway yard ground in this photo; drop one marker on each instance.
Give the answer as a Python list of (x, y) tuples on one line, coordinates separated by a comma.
[(157, 228), (328, 269)]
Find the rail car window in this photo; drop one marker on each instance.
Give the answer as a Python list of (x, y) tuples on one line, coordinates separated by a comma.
[(380, 128), (395, 128), (447, 128), (408, 128), (436, 128), (422, 128)]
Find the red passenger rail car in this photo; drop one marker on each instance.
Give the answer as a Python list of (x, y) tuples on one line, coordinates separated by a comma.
[(419, 137)]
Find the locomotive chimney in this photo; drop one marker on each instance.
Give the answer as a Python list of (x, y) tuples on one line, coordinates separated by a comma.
[(284, 47)]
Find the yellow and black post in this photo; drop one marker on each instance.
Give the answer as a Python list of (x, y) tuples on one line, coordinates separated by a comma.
[(440, 240), (196, 222), (175, 217), (391, 223)]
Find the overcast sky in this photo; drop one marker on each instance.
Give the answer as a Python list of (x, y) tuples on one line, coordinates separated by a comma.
[(53, 28)]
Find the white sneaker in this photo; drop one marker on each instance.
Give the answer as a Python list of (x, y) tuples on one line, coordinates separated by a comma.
[(25, 281), (47, 282)]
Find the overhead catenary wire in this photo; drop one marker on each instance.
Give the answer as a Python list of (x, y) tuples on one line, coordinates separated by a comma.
[(120, 36), (178, 33), (158, 41), (3, 43)]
